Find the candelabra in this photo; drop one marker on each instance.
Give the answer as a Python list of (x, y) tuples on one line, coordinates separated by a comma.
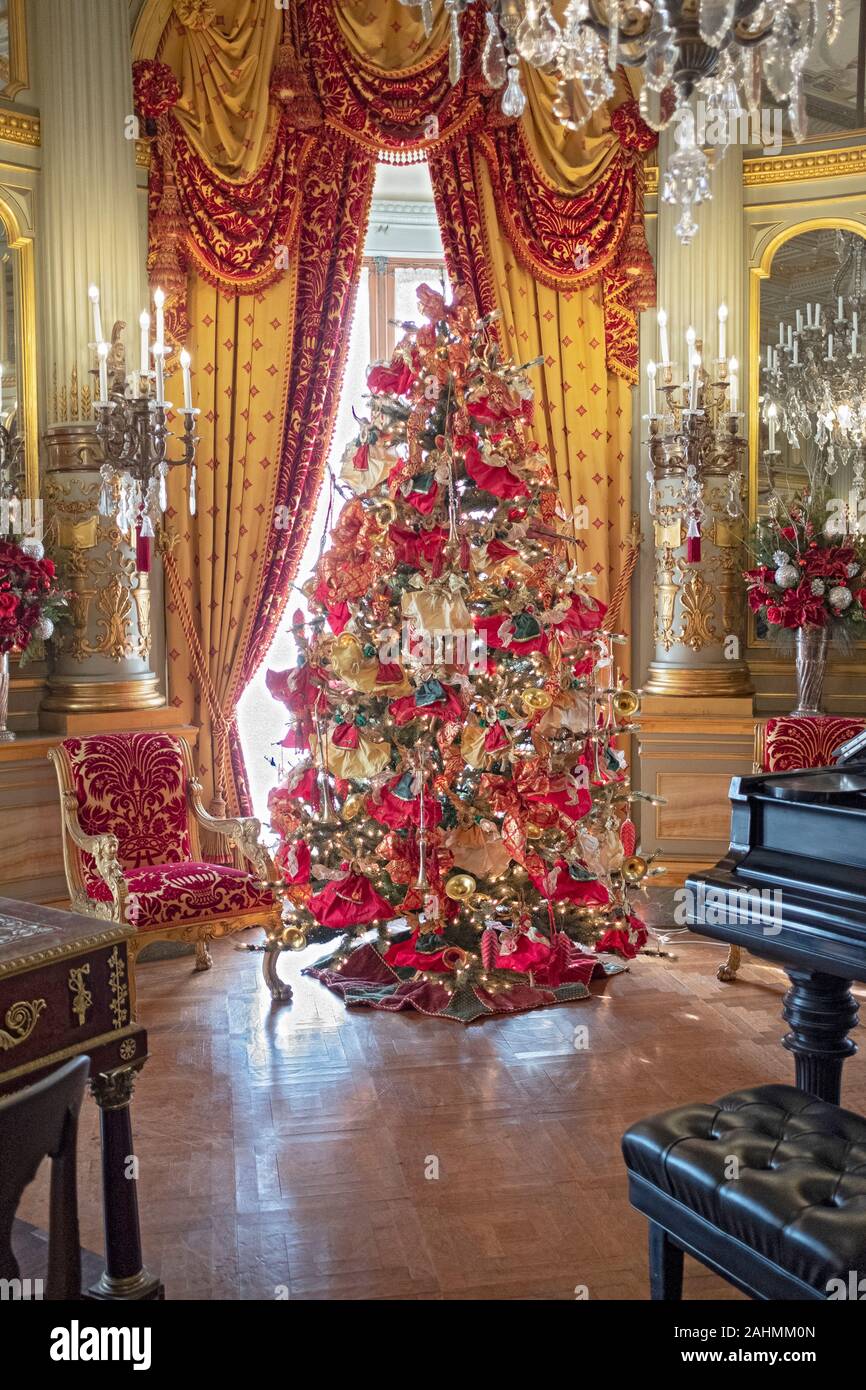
[(11, 466), (693, 438), (696, 488), (813, 382), (723, 49), (133, 431)]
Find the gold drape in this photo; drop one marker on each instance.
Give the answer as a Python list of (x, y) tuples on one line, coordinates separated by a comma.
[(242, 351), (583, 411)]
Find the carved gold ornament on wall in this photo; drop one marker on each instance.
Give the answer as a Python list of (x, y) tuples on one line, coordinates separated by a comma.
[(697, 603), (110, 620)]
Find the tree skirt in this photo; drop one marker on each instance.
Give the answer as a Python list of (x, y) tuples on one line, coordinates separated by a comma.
[(365, 978)]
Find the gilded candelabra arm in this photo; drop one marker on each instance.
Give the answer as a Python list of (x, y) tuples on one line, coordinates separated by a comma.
[(243, 832), (103, 849)]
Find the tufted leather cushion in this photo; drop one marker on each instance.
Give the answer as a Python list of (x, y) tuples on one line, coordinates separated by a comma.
[(791, 744), (800, 1197), (168, 894)]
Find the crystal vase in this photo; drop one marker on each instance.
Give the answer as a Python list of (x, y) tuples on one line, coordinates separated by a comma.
[(6, 735), (811, 667)]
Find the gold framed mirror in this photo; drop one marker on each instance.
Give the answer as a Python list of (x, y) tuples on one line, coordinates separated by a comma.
[(799, 265), (14, 73), (18, 389)]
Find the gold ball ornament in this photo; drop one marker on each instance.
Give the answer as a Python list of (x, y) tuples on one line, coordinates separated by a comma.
[(460, 887), (634, 868), (293, 938), (535, 699), (625, 703), (385, 512), (353, 805), (308, 588), (533, 831)]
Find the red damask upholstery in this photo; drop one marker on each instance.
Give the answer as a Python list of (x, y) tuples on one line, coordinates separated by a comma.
[(136, 786), (791, 744), (132, 786), (164, 894)]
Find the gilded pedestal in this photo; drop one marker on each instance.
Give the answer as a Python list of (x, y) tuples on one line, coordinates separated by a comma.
[(102, 657)]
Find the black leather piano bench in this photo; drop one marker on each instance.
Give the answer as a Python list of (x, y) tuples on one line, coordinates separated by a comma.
[(766, 1187)]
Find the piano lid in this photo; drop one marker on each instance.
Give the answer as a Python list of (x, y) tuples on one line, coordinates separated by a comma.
[(845, 786)]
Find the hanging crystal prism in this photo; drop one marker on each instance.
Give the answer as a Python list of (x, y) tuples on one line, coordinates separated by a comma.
[(651, 479), (613, 18), (192, 497), (162, 489), (494, 63), (106, 491), (715, 18), (455, 60), (686, 181), (514, 97), (427, 16)]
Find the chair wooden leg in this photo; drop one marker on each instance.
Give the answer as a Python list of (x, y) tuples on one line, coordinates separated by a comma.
[(728, 971), (203, 957), (665, 1266)]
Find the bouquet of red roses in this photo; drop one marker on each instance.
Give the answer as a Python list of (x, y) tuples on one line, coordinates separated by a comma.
[(808, 574), (30, 601)]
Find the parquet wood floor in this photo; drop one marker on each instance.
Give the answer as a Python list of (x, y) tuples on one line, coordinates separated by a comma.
[(292, 1146)]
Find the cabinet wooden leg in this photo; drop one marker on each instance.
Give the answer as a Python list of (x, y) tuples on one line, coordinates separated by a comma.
[(124, 1277)]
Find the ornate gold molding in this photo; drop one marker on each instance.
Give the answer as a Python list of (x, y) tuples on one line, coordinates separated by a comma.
[(142, 154), (767, 170), (20, 1020), (794, 168), (19, 128)]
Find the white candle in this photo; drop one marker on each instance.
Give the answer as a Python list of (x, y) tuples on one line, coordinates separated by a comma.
[(144, 355), (769, 358), (796, 358), (696, 367), (854, 322), (102, 351), (733, 367), (159, 364), (185, 360), (723, 321), (97, 317), (781, 335), (829, 347), (663, 336), (159, 301), (817, 323), (808, 316), (799, 321), (691, 336), (771, 421), (790, 337), (841, 313)]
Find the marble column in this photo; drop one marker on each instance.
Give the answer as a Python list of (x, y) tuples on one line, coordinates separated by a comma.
[(699, 611), (89, 234)]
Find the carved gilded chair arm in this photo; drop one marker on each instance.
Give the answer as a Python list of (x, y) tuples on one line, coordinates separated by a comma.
[(103, 850), (243, 832)]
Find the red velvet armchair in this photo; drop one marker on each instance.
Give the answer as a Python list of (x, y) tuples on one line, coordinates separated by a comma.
[(132, 816), (785, 744)]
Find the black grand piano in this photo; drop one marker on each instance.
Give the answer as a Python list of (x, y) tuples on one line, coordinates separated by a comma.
[(792, 890)]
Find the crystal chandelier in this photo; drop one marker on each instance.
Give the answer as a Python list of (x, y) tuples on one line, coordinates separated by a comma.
[(720, 51), (132, 428), (694, 434), (813, 381)]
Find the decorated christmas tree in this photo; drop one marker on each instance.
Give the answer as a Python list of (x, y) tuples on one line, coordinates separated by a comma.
[(454, 782)]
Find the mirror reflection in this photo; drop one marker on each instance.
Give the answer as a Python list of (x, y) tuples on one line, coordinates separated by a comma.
[(812, 409)]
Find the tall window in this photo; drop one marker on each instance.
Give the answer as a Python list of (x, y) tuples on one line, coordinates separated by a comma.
[(403, 251)]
